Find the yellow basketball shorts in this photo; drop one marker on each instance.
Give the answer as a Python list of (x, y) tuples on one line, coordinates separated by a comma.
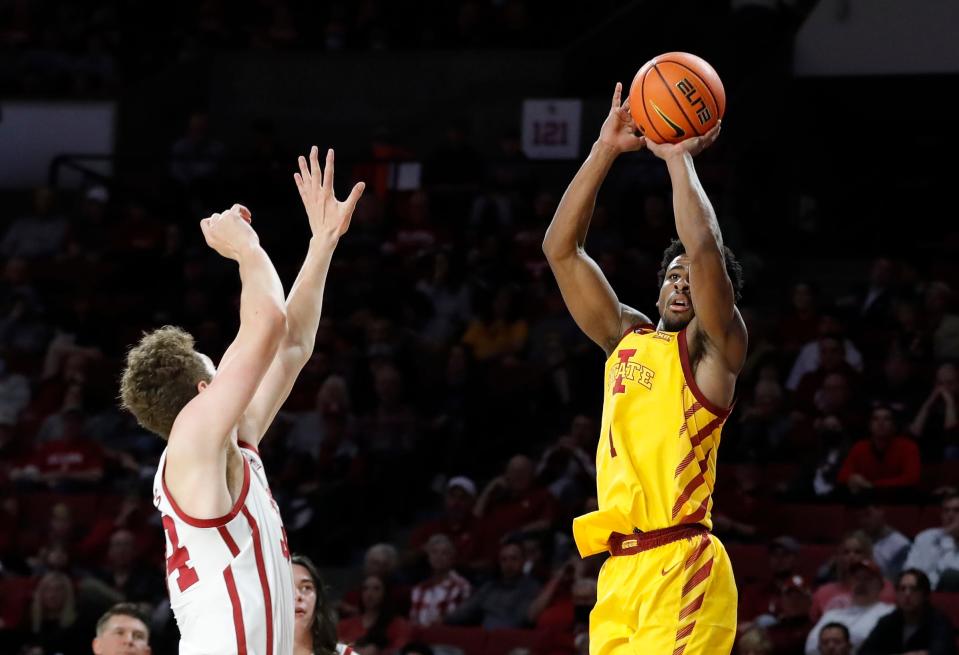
[(665, 592)]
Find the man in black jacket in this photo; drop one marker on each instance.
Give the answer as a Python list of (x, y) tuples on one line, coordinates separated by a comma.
[(915, 626)]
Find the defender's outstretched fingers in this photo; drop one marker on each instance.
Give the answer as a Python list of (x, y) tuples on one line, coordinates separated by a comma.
[(304, 171), (328, 173), (316, 172), (350, 204), (617, 95), (354, 196)]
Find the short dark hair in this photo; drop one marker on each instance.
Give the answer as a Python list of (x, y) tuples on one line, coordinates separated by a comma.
[(835, 625), (885, 406), (922, 580), (733, 268), (122, 609)]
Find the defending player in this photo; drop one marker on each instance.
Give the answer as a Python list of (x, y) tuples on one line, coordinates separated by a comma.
[(228, 565), (668, 587), (315, 627)]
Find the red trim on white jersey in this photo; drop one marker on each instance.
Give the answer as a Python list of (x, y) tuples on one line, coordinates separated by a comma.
[(248, 446), (210, 523), (238, 626), (228, 539), (264, 582)]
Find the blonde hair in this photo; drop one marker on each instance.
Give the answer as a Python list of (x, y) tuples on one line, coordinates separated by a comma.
[(755, 639), (864, 541), (68, 615), (160, 378)]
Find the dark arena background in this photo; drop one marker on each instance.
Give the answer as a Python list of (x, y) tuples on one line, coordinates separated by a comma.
[(449, 391)]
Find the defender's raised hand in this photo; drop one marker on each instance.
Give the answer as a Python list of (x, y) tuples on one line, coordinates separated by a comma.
[(329, 217), (230, 232), (619, 131)]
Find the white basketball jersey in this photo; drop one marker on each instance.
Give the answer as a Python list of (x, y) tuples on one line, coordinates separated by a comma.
[(230, 580)]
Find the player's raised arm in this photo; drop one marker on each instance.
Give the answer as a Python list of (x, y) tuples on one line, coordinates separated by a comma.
[(206, 422), (713, 296), (329, 220), (588, 295)]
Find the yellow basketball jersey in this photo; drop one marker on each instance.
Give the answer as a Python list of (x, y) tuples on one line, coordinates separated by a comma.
[(656, 460)]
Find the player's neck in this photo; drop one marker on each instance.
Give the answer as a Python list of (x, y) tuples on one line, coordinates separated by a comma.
[(304, 643)]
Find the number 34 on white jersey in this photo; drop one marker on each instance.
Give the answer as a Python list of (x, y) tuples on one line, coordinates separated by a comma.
[(230, 580)]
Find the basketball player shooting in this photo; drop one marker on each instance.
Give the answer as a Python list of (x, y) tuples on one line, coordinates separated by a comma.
[(668, 586), (228, 564)]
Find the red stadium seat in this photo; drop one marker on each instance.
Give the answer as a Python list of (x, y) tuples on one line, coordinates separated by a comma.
[(813, 556), (15, 593), (813, 523), (904, 518), (471, 640), (779, 473), (948, 602), (940, 474), (83, 507), (750, 562), (750, 601), (500, 642), (949, 473), (931, 517)]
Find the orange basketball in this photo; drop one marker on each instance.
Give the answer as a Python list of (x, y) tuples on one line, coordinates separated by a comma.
[(676, 96)]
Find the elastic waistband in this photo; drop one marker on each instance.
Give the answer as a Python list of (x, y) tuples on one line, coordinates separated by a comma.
[(630, 544)]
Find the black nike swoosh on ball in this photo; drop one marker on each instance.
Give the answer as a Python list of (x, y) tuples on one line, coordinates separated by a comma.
[(679, 131)]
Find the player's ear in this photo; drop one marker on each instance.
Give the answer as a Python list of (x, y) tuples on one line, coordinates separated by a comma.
[(201, 385), (95, 644)]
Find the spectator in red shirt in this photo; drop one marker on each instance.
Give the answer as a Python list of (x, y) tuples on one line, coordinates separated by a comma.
[(788, 634), (131, 515), (885, 461), (563, 604), (440, 594), (765, 598), (72, 462), (457, 522), (511, 503)]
